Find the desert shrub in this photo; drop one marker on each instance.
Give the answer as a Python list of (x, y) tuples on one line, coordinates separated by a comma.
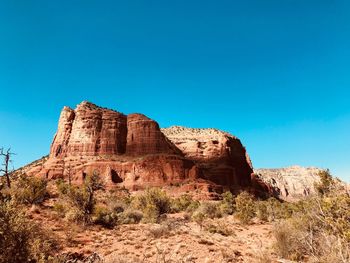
[(193, 206), (273, 209), (289, 239), (198, 217), (153, 203), (21, 240), (182, 203), (130, 216), (245, 207), (120, 192), (29, 190), (326, 183), (262, 212), (206, 210), (117, 206), (82, 204), (227, 203), (62, 186), (219, 228), (335, 214), (210, 209), (60, 208), (105, 217), (116, 202), (81, 199), (159, 230), (319, 230), (151, 214)]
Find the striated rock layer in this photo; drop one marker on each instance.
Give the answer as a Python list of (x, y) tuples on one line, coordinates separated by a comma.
[(132, 151), (220, 156), (290, 183)]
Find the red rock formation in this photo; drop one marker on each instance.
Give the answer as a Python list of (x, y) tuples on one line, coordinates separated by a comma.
[(97, 131), (132, 151), (221, 156), (139, 173), (59, 145), (145, 137)]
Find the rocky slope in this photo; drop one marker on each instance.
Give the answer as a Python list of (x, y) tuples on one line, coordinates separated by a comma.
[(290, 183), (133, 152)]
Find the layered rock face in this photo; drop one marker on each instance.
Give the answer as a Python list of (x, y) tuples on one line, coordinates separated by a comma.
[(132, 151), (145, 137), (88, 131), (290, 183), (221, 156)]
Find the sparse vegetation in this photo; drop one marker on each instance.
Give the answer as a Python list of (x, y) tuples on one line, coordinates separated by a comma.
[(184, 203), (272, 209), (29, 190), (326, 183), (130, 216), (219, 228), (81, 199), (316, 229), (245, 207), (319, 227), (227, 205), (20, 239), (210, 210), (153, 203), (105, 217)]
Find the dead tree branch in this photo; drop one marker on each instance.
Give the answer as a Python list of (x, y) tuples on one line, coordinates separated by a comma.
[(6, 154)]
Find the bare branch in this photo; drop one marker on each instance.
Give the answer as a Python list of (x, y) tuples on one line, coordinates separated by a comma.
[(7, 160)]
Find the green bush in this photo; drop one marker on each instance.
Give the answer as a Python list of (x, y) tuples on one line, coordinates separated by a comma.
[(105, 217), (60, 209), (273, 209), (116, 203), (153, 203), (245, 207), (21, 240), (193, 206), (211, 209), (219, 228), (81, 199), (183, 203), (227, 203), (29, 190), (198, 217), (319, 229), (326, 183), (130, 216), (207, 210), (62, 186)]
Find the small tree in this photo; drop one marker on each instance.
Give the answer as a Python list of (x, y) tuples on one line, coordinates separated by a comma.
[(326, 183), (7, 159), (153, 202), (82, 198), (245, 207), (227, 203)]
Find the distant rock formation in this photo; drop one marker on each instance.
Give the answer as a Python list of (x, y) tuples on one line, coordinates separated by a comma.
[(133, 152), (290, 183)]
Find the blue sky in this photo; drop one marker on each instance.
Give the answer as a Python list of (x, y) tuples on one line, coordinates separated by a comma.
[(275, 73)]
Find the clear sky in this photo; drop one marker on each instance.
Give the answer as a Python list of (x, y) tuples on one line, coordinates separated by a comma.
[(274, 73)]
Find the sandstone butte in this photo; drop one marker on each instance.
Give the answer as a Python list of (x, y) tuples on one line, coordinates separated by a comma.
[(131, 151)]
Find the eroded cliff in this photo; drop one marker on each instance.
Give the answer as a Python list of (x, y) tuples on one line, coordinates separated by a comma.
[(132, 151)]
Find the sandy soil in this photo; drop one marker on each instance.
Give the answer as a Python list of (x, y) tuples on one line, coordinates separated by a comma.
[(173, 240)]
